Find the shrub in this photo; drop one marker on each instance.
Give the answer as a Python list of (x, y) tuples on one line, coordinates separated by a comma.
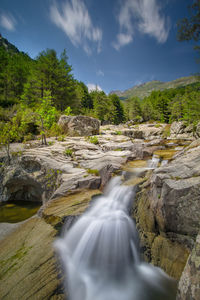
[(61, 138), (68, 152), (93, 140), (166, 131), (118, 132)]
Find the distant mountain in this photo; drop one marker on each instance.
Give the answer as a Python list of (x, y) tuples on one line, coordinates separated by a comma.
[(8, 46), (145, 89)]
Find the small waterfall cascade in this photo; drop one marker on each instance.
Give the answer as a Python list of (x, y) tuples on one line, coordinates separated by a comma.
[(153, 163), (100, 253)]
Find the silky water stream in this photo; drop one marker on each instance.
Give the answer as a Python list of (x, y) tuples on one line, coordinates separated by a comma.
[(100, 253)]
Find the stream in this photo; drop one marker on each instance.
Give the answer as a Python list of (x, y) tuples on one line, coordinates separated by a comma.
[(100, 252)]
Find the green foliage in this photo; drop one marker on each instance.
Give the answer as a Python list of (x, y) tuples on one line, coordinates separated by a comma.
[(133, 109), (93, 140), (118, 113), (68, 152), (189, 28), (103, 107), (93, 172), (166, 131), (118, 132), (68, 111), (61, 138), (8, 133), (181, 104), (50, 74), (47, 113), (14, 70), (144, 90)]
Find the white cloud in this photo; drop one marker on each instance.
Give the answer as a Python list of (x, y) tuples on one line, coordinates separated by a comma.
[(144, 16), (122, 40), (93, 87), (7, 21), (74, 19), (100, 73)]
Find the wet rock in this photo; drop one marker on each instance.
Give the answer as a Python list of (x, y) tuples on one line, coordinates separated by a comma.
[(79, 125), (61, 210)]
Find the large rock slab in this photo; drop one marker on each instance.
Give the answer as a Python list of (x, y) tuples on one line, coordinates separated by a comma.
[(79, 125), (57, 211), (168, 212), (28, 266), (180, 130)]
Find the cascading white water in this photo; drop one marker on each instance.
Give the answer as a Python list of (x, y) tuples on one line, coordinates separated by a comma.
[(153, 163), (100, 253)]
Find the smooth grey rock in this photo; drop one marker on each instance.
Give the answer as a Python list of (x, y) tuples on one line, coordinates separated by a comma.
[(189, 284), (79, 125), (177, 127)]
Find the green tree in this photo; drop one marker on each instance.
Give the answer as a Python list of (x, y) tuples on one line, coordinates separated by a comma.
[(47, 114), (8, 133), (133, 108), (189, 28), (177, 108), (50, 74), (148, 112), (191, 108), (14, 70), (118, 113), (104, 109)]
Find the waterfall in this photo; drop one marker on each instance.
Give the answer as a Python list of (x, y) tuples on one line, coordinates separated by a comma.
[(153, 163), (100, 253)]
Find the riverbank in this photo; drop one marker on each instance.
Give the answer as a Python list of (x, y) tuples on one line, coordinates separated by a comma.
[(65, 174)]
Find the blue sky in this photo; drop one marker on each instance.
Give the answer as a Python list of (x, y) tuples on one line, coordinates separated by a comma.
[(114, 44)]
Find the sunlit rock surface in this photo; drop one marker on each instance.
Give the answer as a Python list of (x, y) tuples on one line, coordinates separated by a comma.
[(29, 267), (189, 284), (166, 240), (168, 212), (79, 125)]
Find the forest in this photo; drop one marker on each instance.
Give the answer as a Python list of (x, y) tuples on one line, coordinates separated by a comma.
[(34, 93)]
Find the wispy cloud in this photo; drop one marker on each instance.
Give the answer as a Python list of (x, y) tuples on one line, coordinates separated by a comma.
[(144, 16), (7, 21), (93, 87), (74, 19), (100, 73)]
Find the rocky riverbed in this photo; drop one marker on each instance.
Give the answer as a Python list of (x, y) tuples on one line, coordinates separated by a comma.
[(64, 175)]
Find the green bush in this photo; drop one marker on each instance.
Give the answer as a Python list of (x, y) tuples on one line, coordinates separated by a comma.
[(93, 140), (118, 132), (68, 152), (61, 138), (166, 132)]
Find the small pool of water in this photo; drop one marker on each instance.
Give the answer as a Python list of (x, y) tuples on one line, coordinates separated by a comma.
[(14, 212)]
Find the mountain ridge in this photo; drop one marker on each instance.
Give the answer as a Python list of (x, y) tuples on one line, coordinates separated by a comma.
[(144, 89)]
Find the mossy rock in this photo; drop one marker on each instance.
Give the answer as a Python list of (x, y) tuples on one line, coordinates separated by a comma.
[(156, 247), (170, 256), (75, 204), (28, 265)]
